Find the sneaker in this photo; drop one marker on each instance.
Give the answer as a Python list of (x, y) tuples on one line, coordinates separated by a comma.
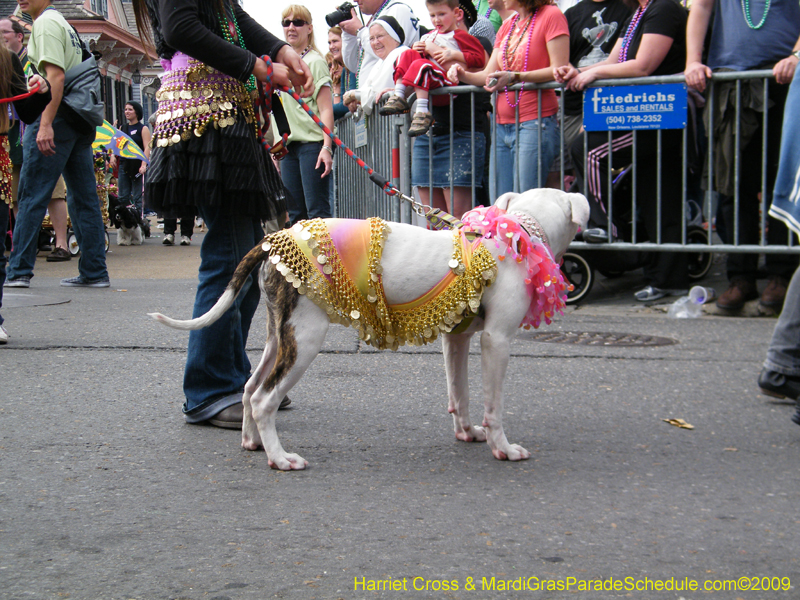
[(169, 240), (420, 124), (779, 385), (186, 240), (198, 221), (650, 293), (3, 335), (19, 282), (232, 417), (395, 105), (81, 281), (59, 255), (741, 290)]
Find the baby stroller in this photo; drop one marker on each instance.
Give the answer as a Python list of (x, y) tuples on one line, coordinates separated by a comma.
[(580, 265)]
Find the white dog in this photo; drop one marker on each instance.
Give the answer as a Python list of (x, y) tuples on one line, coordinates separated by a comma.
[(500, 295)]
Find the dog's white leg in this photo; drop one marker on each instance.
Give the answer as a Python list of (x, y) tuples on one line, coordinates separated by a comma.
[(456, 362), (495, 350), (251, 439), (300, 339)]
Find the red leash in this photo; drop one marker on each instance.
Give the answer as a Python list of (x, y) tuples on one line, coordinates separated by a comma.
[(21, 96)]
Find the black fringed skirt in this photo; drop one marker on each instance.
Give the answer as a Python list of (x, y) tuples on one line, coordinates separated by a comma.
[(226, 167)]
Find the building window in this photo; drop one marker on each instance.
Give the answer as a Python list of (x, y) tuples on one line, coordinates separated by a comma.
[(100, 7)]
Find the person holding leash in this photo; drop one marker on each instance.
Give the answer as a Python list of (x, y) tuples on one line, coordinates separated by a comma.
[(207, 155)]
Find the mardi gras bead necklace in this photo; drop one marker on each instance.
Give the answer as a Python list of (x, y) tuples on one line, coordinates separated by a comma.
[(233, 35), (626, 41), (748, 18), (529, 27)]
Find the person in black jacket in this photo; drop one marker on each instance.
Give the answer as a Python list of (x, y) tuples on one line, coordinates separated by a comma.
[(206, 155), (12, 83)]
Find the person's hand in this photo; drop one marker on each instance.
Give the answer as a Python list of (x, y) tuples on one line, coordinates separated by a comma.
[(502, 79), (564, 73), (112, 161), (143, 168), (353, 24), (582, 80), (454, 72), (380, 94), (440, 55), (35, 80), (419, 47), (696, 74), (350, 101), (325, 158), (45, 139), (298, 73), (784, 69)]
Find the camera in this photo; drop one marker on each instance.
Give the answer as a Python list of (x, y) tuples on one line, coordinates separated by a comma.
[(342, 13)]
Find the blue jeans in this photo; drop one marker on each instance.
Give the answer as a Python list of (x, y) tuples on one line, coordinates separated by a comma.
[(309, 194), (38, 179), (130, 190), (783, 355), (217, 366), (505, 153)]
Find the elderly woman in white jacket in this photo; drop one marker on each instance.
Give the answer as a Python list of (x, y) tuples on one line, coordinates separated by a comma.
[(386, 39)]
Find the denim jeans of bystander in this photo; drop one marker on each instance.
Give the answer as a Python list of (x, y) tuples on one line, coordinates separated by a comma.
[(309, 193), (507, 148), (217, 366), (73, 158)]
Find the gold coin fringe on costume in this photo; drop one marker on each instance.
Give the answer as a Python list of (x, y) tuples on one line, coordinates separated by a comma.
[(377, 323), (191, 100)]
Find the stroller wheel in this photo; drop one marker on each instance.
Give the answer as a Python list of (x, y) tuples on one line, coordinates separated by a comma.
[(72, 243), (699, 262), (580, 274)]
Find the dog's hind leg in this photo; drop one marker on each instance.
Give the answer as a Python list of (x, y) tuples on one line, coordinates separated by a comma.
[(299, 328), (456, 363)]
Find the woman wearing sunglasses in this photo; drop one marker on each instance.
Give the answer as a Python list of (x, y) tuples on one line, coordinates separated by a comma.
[(306, 169)]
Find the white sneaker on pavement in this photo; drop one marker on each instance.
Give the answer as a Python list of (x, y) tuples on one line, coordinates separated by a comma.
[(186, 240), (3, 335)]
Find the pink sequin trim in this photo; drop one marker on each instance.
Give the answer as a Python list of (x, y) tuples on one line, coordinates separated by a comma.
[(545, 282)]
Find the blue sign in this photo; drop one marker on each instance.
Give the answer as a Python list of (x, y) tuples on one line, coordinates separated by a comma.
[(657, 106)]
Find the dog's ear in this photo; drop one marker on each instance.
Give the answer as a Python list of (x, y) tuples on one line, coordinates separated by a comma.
[(580, 210), (504, 200)]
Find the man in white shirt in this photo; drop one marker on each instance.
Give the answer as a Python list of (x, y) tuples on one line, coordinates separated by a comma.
[(356, 51)]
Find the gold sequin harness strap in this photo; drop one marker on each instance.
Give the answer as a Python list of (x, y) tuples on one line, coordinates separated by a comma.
[(308, 259)]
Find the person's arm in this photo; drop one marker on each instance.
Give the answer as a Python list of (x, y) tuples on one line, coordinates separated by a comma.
[(325, 106), (350, 41), (146, 141), (696, 72), (45, 138), (557, 50), (652, 51), (481, 78), (28, 109), (784, 69)]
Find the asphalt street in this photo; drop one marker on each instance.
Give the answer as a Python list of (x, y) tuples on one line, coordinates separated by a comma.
[(106, 493)]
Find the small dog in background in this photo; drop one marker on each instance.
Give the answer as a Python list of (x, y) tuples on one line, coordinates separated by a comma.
[(129, 225)]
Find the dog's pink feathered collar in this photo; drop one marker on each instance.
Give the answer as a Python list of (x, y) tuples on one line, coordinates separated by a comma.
[(545, 283)]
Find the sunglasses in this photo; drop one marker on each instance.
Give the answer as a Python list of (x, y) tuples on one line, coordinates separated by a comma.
[(295, 22)]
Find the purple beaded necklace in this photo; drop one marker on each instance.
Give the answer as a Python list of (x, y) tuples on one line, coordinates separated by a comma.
[(626, 41), (529, 27)]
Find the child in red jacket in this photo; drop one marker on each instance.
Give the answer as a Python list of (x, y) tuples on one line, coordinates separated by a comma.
[(424, 66)]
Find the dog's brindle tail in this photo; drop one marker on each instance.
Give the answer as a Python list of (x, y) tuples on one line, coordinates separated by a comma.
[(251, 260)]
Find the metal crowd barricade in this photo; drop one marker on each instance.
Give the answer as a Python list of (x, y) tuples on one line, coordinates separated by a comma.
[(388, 151)]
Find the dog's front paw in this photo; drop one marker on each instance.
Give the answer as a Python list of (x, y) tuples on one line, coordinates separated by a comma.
[(511, 452), (288, 462), (471, 433)]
